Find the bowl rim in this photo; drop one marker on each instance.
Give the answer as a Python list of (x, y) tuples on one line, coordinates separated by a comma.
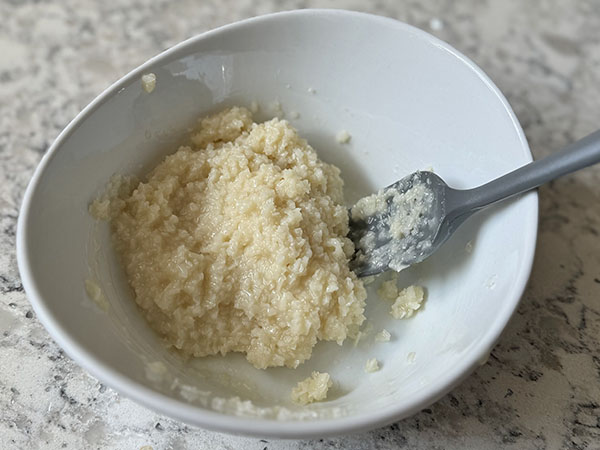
[(249, 426)]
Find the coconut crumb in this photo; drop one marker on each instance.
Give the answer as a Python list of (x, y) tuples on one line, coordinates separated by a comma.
[(411, 357), (312, 389), (94, 292), (372, 365), (148, 82), (311, 90), (343, 137), (408, 301), (383, 336), (469, 247)]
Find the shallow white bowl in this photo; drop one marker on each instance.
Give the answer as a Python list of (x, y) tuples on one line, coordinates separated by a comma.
[(409, 101)]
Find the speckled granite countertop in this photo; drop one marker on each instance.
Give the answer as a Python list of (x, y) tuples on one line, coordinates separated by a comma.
[(541, 385)]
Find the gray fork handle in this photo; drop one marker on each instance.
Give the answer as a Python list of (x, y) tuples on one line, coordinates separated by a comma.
[(578, 155)]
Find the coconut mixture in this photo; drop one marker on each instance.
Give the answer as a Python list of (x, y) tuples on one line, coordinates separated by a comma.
[(237, 243)]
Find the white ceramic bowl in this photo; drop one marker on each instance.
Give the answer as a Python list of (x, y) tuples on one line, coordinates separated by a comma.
[(409, 101)]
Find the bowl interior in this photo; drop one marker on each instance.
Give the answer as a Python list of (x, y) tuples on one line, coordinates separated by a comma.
[(409, 102)]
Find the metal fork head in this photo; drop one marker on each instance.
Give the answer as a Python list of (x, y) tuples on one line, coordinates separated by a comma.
[(405, 227)]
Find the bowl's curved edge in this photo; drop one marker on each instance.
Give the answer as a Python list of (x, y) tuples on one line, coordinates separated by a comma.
[(250, 426)]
